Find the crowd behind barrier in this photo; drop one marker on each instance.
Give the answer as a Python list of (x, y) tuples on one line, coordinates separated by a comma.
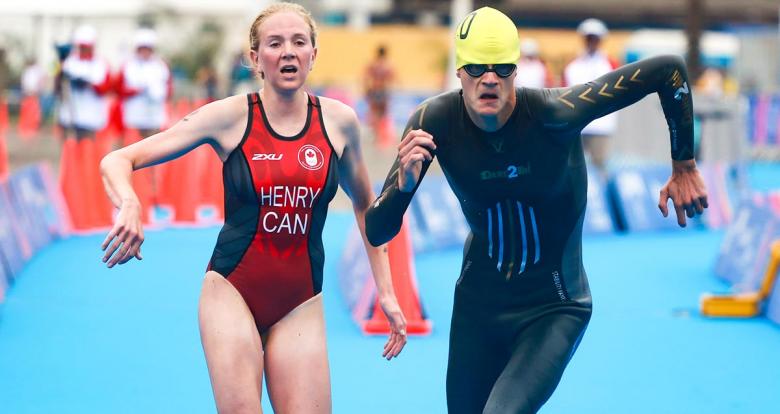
[(763, 124)]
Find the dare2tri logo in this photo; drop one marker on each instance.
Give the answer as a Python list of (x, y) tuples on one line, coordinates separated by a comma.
[(310, 157)]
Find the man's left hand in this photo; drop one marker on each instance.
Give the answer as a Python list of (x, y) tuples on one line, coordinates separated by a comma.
[(686, 189)]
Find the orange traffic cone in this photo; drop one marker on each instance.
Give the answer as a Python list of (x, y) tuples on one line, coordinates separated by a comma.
[(3, 149), (70, 178), (385, 133), (3, 116), (82, 186), (29, 117), (404, 282), (212, 194), (3, 156), (101, 209)]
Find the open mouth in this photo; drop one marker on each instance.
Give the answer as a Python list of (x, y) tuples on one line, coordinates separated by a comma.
[(289, 69), (488, 96)]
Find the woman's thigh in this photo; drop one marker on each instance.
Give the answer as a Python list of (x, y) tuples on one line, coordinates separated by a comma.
[(296, 361), (232, 345)]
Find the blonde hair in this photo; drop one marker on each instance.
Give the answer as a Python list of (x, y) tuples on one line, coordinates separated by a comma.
[(254, 36)]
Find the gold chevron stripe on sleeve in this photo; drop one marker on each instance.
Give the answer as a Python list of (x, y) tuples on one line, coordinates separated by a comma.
[(584, 96), (618, 85), (607, 94), (422, 114), (569, 104), (676, 79), (634, 76)]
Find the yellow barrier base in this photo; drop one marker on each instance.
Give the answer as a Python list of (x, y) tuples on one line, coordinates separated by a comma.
[(742, 305)]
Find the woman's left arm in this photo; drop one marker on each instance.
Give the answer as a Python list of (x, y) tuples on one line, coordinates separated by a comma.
[(353, 177)]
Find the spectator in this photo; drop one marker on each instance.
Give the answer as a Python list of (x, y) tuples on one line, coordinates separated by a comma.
[(532, 71), (591, 64)]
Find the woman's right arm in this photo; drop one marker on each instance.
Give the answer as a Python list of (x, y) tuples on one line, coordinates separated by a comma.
[(415, 154), (209, 124)]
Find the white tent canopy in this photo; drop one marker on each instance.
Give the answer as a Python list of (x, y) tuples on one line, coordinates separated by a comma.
[(32, 27), (126, 7)]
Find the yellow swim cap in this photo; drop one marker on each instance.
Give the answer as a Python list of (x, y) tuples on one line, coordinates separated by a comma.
[(486, 36)]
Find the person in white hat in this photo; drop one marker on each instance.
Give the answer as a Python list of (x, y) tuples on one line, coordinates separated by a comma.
[(589, 65), (83, 109), (532, 71), (144, 86)]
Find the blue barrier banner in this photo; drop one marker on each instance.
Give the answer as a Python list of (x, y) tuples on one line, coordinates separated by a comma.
[(637, 193), (55, 212), (772, 116), (751, 117), (13, 242), (3, 276), (598, 219), (32, 205), (773, 304), (720, 181), (437, 212), (763, 120), (354, 272), (633, 200), (760, 119), (402, 106), (744, 253), (41, 196)]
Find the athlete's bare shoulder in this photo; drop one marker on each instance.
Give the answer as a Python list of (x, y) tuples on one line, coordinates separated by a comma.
[(222, 122), (337, 110), (341, 123), (222, 113)]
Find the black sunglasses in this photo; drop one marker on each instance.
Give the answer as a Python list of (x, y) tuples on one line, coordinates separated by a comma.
[(503, 70)]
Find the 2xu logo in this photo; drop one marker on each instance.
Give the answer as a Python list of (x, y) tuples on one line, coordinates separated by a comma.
[(267, 157)]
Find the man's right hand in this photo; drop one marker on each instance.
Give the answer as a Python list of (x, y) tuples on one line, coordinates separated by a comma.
[(416, 147)]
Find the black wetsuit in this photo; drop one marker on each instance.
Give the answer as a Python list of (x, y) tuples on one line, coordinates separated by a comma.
[(522, 301)]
